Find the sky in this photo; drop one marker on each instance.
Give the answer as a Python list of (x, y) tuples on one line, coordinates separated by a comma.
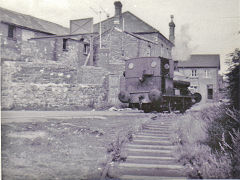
[(202, 26)]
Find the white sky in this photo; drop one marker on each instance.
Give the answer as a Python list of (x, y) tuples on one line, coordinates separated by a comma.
[(212, 25)]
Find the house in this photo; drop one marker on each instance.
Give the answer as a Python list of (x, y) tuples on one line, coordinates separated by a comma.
[(202, 72)]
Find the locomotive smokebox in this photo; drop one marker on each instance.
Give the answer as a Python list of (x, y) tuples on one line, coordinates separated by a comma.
[(155, 95), (124, 97)]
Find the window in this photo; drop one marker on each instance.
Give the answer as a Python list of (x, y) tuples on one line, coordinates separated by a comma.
[(86, 49), (194, 72), (149, 50), (11, 31), (65, 44), (210, 91)]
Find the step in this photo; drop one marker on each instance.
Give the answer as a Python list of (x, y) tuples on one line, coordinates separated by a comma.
[(160, 123), (155, 128), (148, 152), (155, 132), (141, 146), (150, 137), (150, 169), (151, 160), (134, 177), (163, 124), (152, 142)]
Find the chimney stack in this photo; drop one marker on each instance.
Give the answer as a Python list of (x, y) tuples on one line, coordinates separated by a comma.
[(172, 30), (118, 14)]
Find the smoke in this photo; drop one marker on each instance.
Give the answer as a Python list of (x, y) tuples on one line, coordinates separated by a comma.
[(182, 50)]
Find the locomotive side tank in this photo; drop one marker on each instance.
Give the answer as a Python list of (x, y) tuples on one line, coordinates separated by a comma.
[(149, 85)]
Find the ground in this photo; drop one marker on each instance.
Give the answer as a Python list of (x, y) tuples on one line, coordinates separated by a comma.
[(62, 145)]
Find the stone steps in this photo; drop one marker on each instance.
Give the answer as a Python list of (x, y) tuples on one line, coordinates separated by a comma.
[(156, 128), (153, 134), (142, 146), (150, 169), (135, 177), (150, 155), (143, 159), (146, 131), (151, 142), (148, 152)]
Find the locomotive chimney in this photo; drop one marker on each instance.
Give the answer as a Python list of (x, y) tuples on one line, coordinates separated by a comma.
[(118, 14), (172, 30)]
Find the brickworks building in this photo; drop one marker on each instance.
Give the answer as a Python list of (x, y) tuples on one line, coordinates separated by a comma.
[(46, 66)]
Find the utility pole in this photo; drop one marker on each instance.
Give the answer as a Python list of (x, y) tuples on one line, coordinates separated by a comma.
[(99, 13)]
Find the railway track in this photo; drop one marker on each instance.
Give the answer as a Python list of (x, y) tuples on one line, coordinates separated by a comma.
[(150, 154)]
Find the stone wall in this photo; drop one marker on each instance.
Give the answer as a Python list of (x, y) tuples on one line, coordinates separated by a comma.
[(92, 75), (51, 49), (42, 86), (30, 96), (12, 47)]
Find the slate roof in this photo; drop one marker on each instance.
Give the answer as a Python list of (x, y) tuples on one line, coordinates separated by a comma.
[(133, 25), (201, 60), (30, 22)]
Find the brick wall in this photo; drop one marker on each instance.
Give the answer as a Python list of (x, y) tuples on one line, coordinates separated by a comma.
[(118, 46)]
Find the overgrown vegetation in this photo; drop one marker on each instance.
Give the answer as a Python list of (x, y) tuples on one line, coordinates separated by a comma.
[(209, 142), (233, 76)]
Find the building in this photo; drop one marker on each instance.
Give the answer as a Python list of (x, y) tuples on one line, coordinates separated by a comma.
[(202, 72), (17, 28), (47, 66)]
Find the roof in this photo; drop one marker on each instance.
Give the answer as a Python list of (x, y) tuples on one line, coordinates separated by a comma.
[(201, 60), (133, 24), (30, 22)]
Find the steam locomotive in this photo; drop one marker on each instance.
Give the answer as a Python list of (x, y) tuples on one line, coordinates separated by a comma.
[(150, 86)]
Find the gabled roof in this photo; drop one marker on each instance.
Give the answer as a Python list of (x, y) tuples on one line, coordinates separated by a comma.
[(30, 22), (201, 60), (133, 24)]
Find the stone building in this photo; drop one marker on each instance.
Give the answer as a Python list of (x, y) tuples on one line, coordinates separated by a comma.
[(16, 29), (202, 72), (47, 66)]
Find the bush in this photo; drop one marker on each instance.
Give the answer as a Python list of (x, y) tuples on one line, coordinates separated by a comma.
[(233, 78)]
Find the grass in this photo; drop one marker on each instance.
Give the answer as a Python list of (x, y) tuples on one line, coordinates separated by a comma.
[(209, 142), (63, 148)]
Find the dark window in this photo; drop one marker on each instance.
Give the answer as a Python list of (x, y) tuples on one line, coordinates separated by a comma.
[(11, 31), (65, 44), (210, 91), (194, 72), (86, 49)]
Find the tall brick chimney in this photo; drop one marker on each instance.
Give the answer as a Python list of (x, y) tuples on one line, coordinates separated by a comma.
[(118, 14), (172, 30)]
